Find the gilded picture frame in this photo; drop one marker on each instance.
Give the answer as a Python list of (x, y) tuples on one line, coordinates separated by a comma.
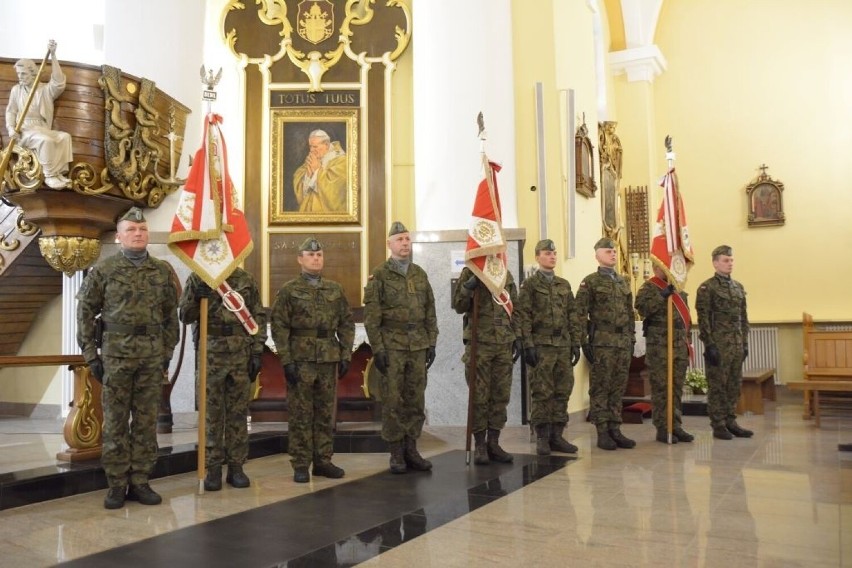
[(585, 162), (765, 201), (314, 165)]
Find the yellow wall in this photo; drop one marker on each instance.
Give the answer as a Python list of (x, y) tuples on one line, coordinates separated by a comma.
[(402, 132), (765, 81)]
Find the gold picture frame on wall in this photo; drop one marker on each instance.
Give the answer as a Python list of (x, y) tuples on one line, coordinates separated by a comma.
[(765, 201), (584, 161), (314, 165)]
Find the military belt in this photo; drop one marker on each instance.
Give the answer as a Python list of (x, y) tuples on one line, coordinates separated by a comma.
[(402, 325), (548, 331), (133, 329), (225, 330), (318, 333), (623, 329)]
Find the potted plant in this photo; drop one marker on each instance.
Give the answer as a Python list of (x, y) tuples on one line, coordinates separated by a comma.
[(696, 381)]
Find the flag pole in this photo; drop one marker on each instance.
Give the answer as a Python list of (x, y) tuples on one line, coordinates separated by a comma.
[(670, 329), (202, 394), (471, 373)]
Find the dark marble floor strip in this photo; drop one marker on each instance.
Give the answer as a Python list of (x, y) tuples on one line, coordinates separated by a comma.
[(338, 526)]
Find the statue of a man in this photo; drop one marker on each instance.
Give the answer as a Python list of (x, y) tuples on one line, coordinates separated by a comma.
[(52, 147)]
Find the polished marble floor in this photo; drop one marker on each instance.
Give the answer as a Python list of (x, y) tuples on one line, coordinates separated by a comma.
[(782, 498)]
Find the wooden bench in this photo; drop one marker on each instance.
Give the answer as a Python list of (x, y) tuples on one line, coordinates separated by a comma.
[(757, 385), (814, 387), (827, 359)]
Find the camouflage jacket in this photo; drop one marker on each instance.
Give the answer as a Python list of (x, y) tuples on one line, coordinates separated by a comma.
[(721, 306), (606, 305), (546, 312), (399, 309), (654, 311), (312, 323), (494, 324), (225, 333), (144, 297)]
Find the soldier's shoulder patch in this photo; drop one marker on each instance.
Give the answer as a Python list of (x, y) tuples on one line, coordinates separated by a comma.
[(583, 284), (372, 277)]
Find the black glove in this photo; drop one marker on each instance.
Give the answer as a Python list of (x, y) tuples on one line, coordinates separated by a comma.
[(745, 352), (575, 355), (166, 365), (342, 369), (254, 366), (291, 373), (430, 356), (517, 350), (667, 291), (712, 356), (471, 283), (589, 352), (531, 356), (96, 369), (203, 290), (380, 360)]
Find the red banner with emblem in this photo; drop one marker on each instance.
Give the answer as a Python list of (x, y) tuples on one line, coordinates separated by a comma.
[(671, 248)]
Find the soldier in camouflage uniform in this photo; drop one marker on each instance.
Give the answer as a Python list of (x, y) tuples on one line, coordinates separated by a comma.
[(723, 327), (605, 316), (400, 319), (652, 305), (233, 362), (136, 299), (313, 332), (498, 347), (551, 349)]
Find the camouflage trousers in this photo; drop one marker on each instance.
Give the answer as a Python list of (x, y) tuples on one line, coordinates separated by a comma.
[(551, 383), (493, 384), (607, 383), (131, 399), (656, 357), (723, 385), (403, 391), (311, 404), (228, 390)]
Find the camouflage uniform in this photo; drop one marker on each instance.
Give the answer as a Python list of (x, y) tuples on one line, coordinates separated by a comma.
[(138, 305), (604, 307), (546, 312), (496, 336), (723, 324), (312, 327), (653, 308), (400, 319), (229, 352)]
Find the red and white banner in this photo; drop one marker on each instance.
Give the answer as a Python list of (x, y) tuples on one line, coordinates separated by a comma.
[(485, 254), (209, 234), (671, 248)]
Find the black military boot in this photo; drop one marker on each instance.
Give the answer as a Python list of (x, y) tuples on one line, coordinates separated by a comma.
[(620, 439), (115, 497), (663, 436), (480, 452), (737, 430), (495, 452), (542, 439), (413, 459), (722, 433), (144, 494), (213, 478), (328, 469), (557, 442), (300, 474), (397, 459), (682, 435), (237, 477), (605, 441)]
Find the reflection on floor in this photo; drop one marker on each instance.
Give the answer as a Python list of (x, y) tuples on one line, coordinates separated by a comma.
[(782, 498)]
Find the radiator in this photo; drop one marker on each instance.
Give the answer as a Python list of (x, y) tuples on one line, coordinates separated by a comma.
[(762, 349)]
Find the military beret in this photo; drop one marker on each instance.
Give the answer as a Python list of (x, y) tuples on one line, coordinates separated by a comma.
[(397, 228), (605, 243), (545, 244), (310, 244), (133, 214), (722, 249)]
